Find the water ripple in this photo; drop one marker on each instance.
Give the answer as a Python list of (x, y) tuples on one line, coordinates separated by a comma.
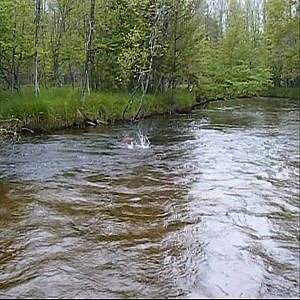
[(209, 210)]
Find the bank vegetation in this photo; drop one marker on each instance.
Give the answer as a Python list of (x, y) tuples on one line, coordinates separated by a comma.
[(74, 63)]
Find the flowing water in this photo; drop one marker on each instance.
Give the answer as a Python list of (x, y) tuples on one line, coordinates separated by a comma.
[(208, 209)]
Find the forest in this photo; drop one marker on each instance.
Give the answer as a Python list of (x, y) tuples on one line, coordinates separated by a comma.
[(65, 61)]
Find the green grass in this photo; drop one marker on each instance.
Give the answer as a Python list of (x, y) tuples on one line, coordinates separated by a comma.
[(57, 108), (106, 106), (293, 93), (54, 108)]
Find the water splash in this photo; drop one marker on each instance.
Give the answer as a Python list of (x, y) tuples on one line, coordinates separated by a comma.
[(141, 141)]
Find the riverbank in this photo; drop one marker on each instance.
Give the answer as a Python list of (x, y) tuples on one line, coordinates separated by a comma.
[(292, 93), (59, 108)]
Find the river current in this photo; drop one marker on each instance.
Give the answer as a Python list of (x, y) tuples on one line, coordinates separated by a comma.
[(210, 209)]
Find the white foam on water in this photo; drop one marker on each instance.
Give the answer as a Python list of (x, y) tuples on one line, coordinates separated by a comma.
[(142, 142)]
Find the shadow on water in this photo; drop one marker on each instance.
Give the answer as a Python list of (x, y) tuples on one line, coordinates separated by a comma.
[(210, 209)]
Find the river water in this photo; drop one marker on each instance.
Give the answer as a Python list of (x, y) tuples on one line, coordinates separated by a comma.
[(209, 210)]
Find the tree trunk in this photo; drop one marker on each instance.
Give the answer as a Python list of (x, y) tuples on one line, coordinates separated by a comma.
[(88, 48), (36, 39)]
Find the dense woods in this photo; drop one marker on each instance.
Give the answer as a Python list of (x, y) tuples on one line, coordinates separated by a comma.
[(213, 49)]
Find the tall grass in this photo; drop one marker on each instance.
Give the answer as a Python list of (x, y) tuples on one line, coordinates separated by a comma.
[(57, 108), (106, 106), (53, 108)]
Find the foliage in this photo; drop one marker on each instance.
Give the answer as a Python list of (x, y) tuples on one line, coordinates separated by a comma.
[(214, 49), (233, 66), (282, 40)]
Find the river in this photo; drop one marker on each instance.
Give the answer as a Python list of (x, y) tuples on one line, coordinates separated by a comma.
[(209, 210)]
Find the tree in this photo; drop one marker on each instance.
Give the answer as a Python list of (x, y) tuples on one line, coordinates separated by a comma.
[(282, 38), (37, 19), (88, 51)]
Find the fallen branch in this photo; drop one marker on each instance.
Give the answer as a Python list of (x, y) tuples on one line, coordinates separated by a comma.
[(90, 123), (25, 129)]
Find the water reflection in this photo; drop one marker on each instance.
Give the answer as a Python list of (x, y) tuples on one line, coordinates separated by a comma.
[(211, 209)]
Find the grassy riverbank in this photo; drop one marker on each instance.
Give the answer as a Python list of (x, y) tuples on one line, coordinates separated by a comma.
[(293, 93), (58, 108)]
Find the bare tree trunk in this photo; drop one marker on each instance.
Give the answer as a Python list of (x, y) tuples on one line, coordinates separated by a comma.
[(221, 17), (88, 48), (35, 79), (36, 36)]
